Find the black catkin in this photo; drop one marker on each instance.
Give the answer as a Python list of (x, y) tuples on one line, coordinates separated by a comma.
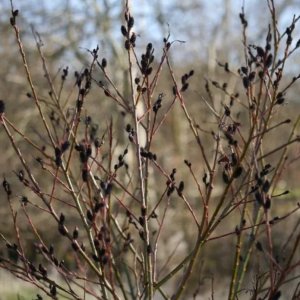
[(237, 172), (130, 22), (180, 188), (246, 82), (260, 51), (104, 63), (6, 187), (2, 106), (269, 61)]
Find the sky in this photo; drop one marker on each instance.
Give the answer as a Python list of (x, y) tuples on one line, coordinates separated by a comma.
[(196, 25)]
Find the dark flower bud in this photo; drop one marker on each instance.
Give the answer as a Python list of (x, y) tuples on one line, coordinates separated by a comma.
[(51, 249), (259, 246), (75, 245), (43, 270), (149, 47), (170, 190), (104, 259), (32, 267), (244, 70), (65, 73), (101, 252), (12, 21), (96, 243), (75, 233), (95, 257), (289, 39), (237, 230), (143, 211), (62, 229), (108, 189), (123, 30), (53, 290), (280, 100), (226, 67), (24, 200), (237, 172), (133, 39), (88, 120), (97, 143), (267, 204), (55, 261), (184, 87), (187, 163), (260, 51), (269, 36), (128, 127), (246, 82), (89, 215), (180, 188), (269, 61), (62, 218), (144, 89), (142, 235), (243, 19), (258, 197), (277, 295), (86, 72), (174, 90), (204, 179), (127, 44), (57, 151), (104, 63), (266, 186), (225, 177), (130, 22), (98, 206), (148, 71), (89, 150), (227, 111), (234, 160), (15, 13), (79, 147), (252, 76), (84, 175), (65, 145), (184, 78), (21, 175), (58, 161), (144, 153), (2, 106), (83, 156), (6, 187), (141, 221)]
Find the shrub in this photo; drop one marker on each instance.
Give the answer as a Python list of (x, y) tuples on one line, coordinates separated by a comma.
[(110, 201)]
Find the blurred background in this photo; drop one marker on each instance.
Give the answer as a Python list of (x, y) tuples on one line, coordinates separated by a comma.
[(208, 33)]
